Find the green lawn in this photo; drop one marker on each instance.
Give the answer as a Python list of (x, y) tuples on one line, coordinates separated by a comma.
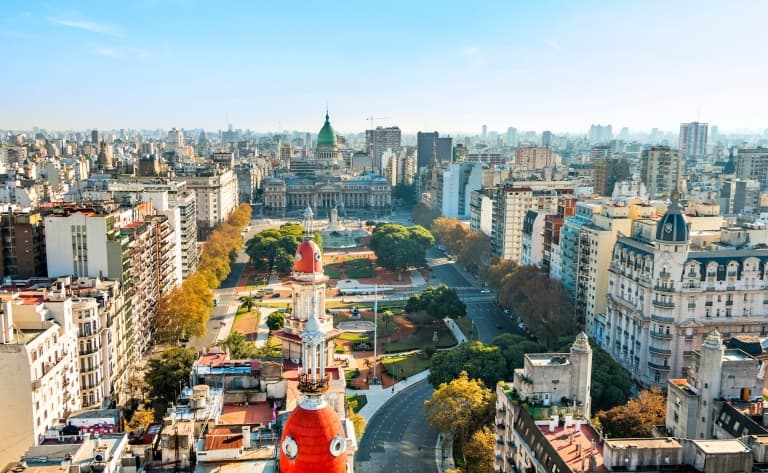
[(465, 324), (401, 366), (421, 338), (242, 313), (355, 336)]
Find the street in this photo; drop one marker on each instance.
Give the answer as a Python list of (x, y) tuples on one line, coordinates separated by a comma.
[(398, 439)]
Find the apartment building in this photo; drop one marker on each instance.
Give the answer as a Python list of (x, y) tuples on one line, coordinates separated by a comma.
[(38, 366), (215, 197), (672, 282), (660, 170)]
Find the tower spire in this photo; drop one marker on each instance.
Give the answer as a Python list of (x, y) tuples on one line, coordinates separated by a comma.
[(308, 222)]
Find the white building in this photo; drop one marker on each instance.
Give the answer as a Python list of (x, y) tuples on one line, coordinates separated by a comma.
[(38, 366), (455, 184)]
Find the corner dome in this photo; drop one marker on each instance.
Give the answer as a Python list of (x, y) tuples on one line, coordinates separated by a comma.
[(327, 135), (308, 258), (672, 228), (313, 441)]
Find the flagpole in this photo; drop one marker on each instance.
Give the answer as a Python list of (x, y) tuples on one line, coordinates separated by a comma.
[(375, 327)]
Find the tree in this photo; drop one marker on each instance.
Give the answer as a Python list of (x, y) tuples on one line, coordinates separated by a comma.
[(450, 232), (180, 314), (475, 251), (423, 215), (460, 408), (166, 375), (479, 451), (398, 247), (543, 303), (636, 418), (439, 302), (358, 421), (275, 320), (239, 348), (141, 419), (273, 249), (248, 302), (476, 359), (387, 316)]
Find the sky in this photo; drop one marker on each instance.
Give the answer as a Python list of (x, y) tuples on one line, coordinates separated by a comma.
[(422, 65)]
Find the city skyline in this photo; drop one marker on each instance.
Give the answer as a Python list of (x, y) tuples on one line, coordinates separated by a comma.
[(430, 66)]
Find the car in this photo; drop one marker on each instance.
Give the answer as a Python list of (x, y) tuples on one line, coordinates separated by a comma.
[(485, 291), (276, 295)]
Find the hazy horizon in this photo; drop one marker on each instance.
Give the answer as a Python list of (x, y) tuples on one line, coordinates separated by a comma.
[(556, 66)]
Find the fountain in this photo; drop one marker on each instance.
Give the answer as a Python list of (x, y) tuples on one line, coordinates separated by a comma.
[(340, 234)]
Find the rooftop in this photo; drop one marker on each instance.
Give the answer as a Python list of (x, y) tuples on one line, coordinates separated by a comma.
[(583, 442), (254, 414), (548, 359), (721, 446)]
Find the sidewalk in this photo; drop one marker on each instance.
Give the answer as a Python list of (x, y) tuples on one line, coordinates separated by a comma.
[(263, 334), (377, 396), (417, 280)]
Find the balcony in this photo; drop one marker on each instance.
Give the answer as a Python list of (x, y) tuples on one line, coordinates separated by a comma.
[(659, 367), (659, 318), (664, 288), (691, 305), (664, 304), (659, 351), (660, 335), (729, 302), (664, 274)]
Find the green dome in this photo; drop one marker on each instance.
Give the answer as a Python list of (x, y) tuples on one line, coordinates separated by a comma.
[(327, 136)]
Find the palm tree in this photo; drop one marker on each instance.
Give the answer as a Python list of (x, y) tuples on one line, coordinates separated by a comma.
[(248, 302)]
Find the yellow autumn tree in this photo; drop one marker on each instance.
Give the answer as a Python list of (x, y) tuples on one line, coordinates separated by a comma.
[(479, 451)]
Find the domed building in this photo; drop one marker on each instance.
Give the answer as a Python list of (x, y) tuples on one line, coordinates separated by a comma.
[(676, 278), (308, 298), (327, 151)]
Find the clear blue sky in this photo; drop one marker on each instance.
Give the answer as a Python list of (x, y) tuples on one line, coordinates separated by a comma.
[(450, 66)]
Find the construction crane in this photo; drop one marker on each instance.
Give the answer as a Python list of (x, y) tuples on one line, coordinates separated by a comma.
[(372, 120)]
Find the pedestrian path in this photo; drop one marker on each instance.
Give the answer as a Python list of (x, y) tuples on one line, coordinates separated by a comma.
[(376, 395), (417, 280), (263, 333)]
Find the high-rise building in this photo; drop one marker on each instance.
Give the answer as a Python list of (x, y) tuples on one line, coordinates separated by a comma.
[(379, 140), (739, 195), (752, 163), (455, 184), (546, 139), (22, 245), (533, 157), (95, 137), (215, 198), (511, 136), (600, 133), (430, 143), (660, 171), (484, 134), (693, 140), (509, 207), (606, 172)]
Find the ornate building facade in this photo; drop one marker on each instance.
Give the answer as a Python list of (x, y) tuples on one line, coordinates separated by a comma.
[(669, 287)]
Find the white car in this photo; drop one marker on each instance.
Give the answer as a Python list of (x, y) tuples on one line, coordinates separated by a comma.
[(485, 291)]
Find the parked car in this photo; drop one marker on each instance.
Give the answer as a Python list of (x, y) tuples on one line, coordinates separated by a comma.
[(277, 294), (485, 291)]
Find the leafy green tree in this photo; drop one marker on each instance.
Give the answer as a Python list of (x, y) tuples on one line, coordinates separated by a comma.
[(239, 348), (398, 247), (275, 320), (248, 302), (479, 361), (273, 249), (166, 375), (439, 302)]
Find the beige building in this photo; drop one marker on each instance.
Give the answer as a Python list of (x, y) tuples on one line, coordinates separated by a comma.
[(215, 197), (533, 157), (672, 282), (715, 374), (510, 204), (660, 170)]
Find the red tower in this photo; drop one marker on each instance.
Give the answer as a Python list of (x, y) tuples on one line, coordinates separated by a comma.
[(313, 438)]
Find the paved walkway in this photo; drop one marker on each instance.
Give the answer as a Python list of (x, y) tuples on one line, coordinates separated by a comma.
[(417, 280), (263, 334), (377, 396)]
